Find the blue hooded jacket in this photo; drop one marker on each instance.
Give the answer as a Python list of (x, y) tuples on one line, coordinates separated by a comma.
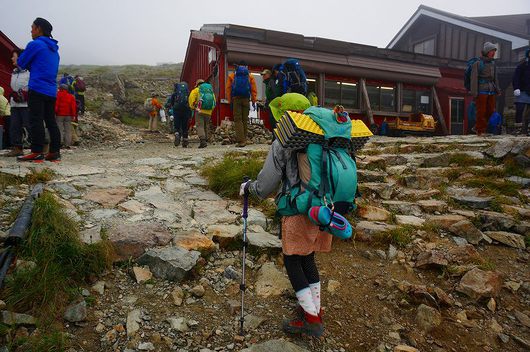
[(41, 58)]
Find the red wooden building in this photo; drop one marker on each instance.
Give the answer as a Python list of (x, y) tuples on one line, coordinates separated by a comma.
[(6, 67), (373, 84)]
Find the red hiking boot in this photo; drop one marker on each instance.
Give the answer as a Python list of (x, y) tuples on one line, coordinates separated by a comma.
[(37, 157), (300, 312), (310, 325), (53, 156)]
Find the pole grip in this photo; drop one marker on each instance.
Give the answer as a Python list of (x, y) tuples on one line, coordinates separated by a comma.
[(245, 200)]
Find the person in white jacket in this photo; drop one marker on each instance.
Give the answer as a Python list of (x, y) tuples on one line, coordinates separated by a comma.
[(19, 107)]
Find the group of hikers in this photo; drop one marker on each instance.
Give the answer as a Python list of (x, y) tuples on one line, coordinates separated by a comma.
[(37, 112), (241, 93)]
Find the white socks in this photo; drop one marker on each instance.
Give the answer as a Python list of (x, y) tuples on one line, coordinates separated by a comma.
[(315, 293), (305, 299)]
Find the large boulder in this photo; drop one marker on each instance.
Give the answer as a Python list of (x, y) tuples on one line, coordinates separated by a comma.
[(507, 238), (500, 149), (479, 284), (369, 212), (170, 263), (271, 281), (194, 240), (225, 235), (493, 221), (131, 240)]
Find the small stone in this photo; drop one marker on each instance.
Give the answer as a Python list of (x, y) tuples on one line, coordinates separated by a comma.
[(2, 304), (523, 318), (381, 254), (333, 286), (495, 327), (478, 283), (198, 291), (252, 322), (428, 318), (99, 287), (146, 346), (142, 274), (178, 324), (405, 348), (512, 286), (178, 296), (76, 312), (492, 305), (433, 257), (271, 281), (394, 335), (504, 338), (11, 318), (233, 306), (133, 322), (99, 328), (231, 273), (392, 252)]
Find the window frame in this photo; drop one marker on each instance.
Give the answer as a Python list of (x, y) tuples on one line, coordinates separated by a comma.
[(423, 41)]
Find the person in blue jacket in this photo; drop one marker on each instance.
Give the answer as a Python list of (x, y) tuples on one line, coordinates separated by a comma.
[(41, 58)]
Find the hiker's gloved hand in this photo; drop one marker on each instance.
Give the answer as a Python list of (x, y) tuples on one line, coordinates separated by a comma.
[(244, 188), (517, 92)]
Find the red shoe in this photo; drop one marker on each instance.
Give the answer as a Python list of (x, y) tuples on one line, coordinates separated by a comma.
[(300, 312), (310, 325), (36, 157), (53, 156)]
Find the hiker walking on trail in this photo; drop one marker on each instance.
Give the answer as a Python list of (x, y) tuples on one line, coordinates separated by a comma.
[(65, 112), (521, 86), (271, 91), (68, 80), (153, 107), (299, 172), (41, 57), (202, 100), (240, 90), (5, 112), (79, 86), (483, 86), (19, 108), (181, 113)]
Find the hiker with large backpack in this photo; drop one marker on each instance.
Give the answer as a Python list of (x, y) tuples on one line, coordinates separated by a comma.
[(521, 91), (152, 106), (296, 80), (480, 80), (240, 90), (318, 184), (202, 101), (79, 86), (271, 92), (181, 113)]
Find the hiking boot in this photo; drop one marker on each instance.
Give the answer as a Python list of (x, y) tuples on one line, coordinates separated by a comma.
[(177, 140), (203, 144), (53, 156), (185, 143), (38, 157), (17, 151), (299, 312), (310, 325)]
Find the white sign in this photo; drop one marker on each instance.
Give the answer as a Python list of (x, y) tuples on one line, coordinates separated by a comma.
[(424, 99)]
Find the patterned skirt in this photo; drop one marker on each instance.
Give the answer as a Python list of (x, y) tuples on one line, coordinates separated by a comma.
[(301, 237)]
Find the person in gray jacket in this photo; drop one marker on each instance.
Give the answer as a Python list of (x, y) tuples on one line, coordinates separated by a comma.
[(19, 107)]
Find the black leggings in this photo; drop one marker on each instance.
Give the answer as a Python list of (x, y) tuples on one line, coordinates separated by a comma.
[(42, 111), (181, 119), (302, 270)]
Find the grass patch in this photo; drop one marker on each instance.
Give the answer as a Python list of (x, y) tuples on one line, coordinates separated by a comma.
[(463, 160), (494, 187), (527, 240), (400, 236), (63, 263), (139, 122), (7, 180), (41, 176), (225, 177), (512, 168)]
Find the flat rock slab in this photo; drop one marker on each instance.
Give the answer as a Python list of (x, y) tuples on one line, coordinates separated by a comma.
[(271, 281), (370, 176), (466, 229), (108, 197), (225, 235), (417, 194), (103, 214), (365, 230), (494, 221), (523, 181), (445, 221), (507, 238), (372, 213), (197, 181), (262, 240), (131, 240), (11, 318), (473, 201), (409, 220), (154, 162), (170, 263), (433, 205), (382, 190), (194, 241), (92, 235), (133, 206), (275, 346), (462, 192), (213, 212), (433, 257), (76, 170), (401, 207), (479, 284)]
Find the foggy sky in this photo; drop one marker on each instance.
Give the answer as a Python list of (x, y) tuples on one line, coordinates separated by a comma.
[(115, 32)]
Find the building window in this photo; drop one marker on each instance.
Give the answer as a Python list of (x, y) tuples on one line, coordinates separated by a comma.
[(312, 85), (416, 100), (426, 47), (382, 97), (341, 93), (457, 110)]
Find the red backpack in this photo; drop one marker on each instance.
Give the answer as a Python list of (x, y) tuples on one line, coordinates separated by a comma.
[(79, 85)]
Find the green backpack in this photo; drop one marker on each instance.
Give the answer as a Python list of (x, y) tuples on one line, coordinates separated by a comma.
[(206, 96), (333, 171)]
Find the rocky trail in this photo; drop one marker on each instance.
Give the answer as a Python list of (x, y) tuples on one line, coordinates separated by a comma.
[(440, 260)]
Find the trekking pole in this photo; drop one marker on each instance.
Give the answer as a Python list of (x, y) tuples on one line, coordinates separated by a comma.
[(242, 286)]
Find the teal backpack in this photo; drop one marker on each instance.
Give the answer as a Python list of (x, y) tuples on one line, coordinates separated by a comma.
[(333, 171), (206, 96)]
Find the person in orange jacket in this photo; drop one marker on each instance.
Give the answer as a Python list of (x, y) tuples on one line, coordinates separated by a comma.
[(65, 112), (240, 90), (153, 114)]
